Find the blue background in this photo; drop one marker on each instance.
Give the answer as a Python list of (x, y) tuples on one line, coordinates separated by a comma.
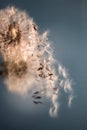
[(67, 21)]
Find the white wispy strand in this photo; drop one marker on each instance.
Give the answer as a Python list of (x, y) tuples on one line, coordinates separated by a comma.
[(66, 83)]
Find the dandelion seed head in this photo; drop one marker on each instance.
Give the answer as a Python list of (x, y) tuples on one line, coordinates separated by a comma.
[(28, 59)]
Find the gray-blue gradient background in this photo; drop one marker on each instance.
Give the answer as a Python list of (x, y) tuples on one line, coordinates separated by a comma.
[(67, 21)]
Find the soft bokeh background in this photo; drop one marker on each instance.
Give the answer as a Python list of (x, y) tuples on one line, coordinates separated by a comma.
[(67, 21)]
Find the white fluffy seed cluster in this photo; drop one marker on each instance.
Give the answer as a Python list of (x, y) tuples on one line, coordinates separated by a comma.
[(27, 58)]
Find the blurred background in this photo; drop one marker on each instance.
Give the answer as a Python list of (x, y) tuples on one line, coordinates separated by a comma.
[(67, 22)]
